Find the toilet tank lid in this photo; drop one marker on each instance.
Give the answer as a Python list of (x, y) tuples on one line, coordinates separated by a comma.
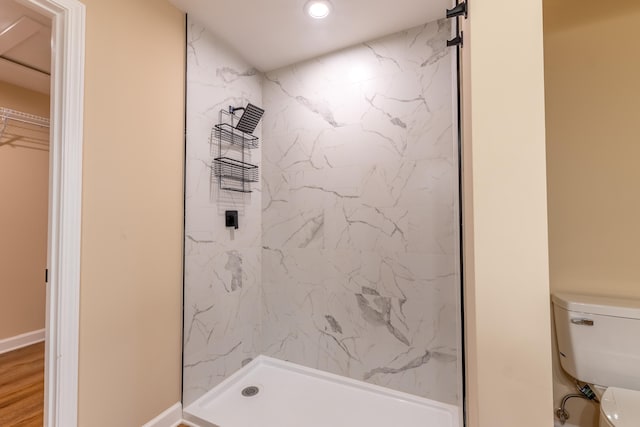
[(599, 304)]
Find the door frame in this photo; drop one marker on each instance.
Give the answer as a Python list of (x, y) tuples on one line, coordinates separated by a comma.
[(65, 198)]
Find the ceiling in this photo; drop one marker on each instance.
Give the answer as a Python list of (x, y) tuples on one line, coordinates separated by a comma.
[(271, 34), (25, 47)]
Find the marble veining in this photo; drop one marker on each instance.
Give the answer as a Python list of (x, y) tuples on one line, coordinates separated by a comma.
[(346, 259), (222, 266), (359, 220)]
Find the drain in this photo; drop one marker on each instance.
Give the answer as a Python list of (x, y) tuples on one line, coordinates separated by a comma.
[(250, 391)]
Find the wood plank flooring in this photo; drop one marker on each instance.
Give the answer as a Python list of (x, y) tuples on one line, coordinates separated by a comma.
[(22, 387)]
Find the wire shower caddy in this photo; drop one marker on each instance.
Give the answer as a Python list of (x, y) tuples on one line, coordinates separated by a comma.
[(230, 166)]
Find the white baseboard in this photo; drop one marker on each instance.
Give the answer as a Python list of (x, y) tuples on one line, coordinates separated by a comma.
[(171, 417), (19, 341)]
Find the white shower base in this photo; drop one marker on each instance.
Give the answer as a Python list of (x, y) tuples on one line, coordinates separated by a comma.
[(295, 396)]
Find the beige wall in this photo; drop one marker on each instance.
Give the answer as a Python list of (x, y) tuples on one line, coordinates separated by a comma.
[(592, 93), (131, 279), (24, 188), (593, 126), (506, 259)]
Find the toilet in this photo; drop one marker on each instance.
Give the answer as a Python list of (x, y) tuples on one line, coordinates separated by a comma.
[(619, 407), (599, 344)]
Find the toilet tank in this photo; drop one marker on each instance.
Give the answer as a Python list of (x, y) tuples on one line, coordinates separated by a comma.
[(599, 338)]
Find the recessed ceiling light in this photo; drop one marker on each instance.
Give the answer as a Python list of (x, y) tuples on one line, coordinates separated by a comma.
[(318, 9)]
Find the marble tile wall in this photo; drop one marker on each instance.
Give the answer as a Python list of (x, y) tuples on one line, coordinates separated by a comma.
[(359, 214), (346, 258), (222, 266)]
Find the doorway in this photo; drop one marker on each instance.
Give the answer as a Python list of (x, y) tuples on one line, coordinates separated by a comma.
[(64, 210), (25, 67)]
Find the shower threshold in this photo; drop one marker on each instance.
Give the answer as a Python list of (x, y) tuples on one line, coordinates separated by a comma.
[(272, 393)]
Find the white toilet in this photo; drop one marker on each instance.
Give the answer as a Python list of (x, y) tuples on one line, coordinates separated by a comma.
[(599, 344)]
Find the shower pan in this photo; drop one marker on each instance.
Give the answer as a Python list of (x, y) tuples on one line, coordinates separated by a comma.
[(289, 395), (337, 301)]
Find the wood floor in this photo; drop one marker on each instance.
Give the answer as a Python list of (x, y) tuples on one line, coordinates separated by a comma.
[(22, 387)]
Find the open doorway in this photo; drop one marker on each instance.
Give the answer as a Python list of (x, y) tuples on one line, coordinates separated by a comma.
[(25, 68), (64, 210)]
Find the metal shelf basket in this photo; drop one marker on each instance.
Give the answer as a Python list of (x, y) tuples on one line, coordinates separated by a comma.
[(227, 133), (226, 167), (233, 174)]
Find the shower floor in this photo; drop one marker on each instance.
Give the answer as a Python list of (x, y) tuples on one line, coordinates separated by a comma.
[(293, 396)]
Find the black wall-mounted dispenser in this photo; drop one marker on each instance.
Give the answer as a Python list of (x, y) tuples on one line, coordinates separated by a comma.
[(231, 219)]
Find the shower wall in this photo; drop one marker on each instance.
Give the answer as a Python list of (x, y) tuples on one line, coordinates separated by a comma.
[(222, 266), (359, 226), (346, 258)]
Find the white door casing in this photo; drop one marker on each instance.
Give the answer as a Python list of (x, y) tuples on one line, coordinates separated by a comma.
[(65, 197)]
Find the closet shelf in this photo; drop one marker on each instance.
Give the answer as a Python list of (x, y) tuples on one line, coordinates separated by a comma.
[(7, 114), (227, 133), (18, 116)]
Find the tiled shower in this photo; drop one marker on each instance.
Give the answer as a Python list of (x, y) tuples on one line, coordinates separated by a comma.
[(346, 258)]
